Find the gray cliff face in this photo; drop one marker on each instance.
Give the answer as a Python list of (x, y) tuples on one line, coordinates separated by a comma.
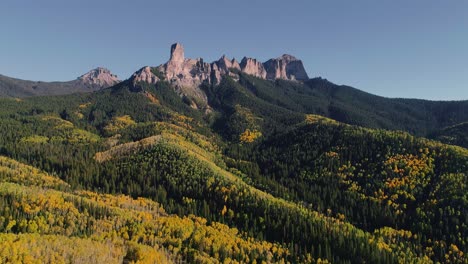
[(177, 53), (253, 67), (187, 75), (184, 72), (144, 75), (286, 67), (223, 67), (100, 77)]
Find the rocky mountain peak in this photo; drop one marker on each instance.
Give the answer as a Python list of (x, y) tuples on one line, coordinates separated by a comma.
[(177, 53), (224, 64), (144, 74), (223, 67), (184, 73), (187, 75), (287, 57), (253, 67), (286, 67), (100, 76)]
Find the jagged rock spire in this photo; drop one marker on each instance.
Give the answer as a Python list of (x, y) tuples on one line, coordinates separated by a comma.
[(187, 75), (177, 53), (253, 67)]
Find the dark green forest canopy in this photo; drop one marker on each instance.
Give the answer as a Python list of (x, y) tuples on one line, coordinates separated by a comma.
[(323, 170)]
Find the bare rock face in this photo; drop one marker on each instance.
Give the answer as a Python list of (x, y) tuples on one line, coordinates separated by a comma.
[(144, 75), (253, 67), (184, 72), (187, 75), (223, 67), (177, 53), (99, 77), (286, 67)]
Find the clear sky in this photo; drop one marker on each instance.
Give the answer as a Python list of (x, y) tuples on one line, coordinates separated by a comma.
[(415, 49)]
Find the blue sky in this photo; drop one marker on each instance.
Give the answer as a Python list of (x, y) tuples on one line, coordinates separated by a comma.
[(412, 49)]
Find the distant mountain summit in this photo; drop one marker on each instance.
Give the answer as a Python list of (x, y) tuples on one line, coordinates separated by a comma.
[(93, 80), (286, 67), (186, 74), (100, 77)]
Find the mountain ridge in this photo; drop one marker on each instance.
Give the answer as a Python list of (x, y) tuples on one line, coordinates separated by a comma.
[(94, 80), (187, 75)]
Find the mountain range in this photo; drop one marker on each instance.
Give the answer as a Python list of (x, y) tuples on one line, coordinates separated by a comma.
[(269, 82), (229, 162)]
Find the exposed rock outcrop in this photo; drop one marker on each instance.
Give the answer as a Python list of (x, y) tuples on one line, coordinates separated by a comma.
[(144, 74), (286, 67), (253, 67), (225, 65), (187, 75), (99, 77), (183, 72), (222, 67), (177, 53)]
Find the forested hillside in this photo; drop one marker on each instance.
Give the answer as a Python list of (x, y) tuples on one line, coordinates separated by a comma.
[(342, 103), (454, 135), (271, 172), (43, 220)]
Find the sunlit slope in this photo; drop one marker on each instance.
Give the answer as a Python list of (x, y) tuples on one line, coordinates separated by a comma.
[(372, 178), (181, 173), (36, 216), (306, 184)]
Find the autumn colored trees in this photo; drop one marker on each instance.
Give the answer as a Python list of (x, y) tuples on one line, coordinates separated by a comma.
[(142, 176)]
